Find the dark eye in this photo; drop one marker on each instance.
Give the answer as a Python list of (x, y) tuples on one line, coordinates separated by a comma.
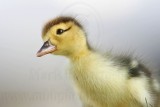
[(59, 31)]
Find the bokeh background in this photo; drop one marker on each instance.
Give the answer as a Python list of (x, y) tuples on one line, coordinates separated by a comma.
[(123, 26)]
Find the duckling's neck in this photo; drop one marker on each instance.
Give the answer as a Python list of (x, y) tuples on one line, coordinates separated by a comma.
[(81, 53)]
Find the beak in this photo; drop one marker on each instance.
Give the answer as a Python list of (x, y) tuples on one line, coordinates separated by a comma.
[(46, 49)]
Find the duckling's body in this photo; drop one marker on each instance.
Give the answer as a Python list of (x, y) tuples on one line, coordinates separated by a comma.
[(100, 81)]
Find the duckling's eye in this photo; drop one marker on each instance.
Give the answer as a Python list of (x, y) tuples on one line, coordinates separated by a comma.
[(59, 31)]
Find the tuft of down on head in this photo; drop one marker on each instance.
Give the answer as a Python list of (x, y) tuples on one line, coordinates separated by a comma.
[(64, 36), (58, 20)]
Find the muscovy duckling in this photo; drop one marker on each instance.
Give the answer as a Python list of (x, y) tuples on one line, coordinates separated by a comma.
[(100, 80)]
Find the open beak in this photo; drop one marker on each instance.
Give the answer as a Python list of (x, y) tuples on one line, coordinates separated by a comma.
[(46, 49)]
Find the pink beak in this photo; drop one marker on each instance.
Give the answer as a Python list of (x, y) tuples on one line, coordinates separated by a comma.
[(46, 49)]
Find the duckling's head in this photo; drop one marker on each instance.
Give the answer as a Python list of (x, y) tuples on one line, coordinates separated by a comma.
[(63, 36)]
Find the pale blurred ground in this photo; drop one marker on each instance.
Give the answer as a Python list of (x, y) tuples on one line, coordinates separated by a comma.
[(28, 81)]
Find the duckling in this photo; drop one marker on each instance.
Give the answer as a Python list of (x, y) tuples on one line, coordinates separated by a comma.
[(100, 80)]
